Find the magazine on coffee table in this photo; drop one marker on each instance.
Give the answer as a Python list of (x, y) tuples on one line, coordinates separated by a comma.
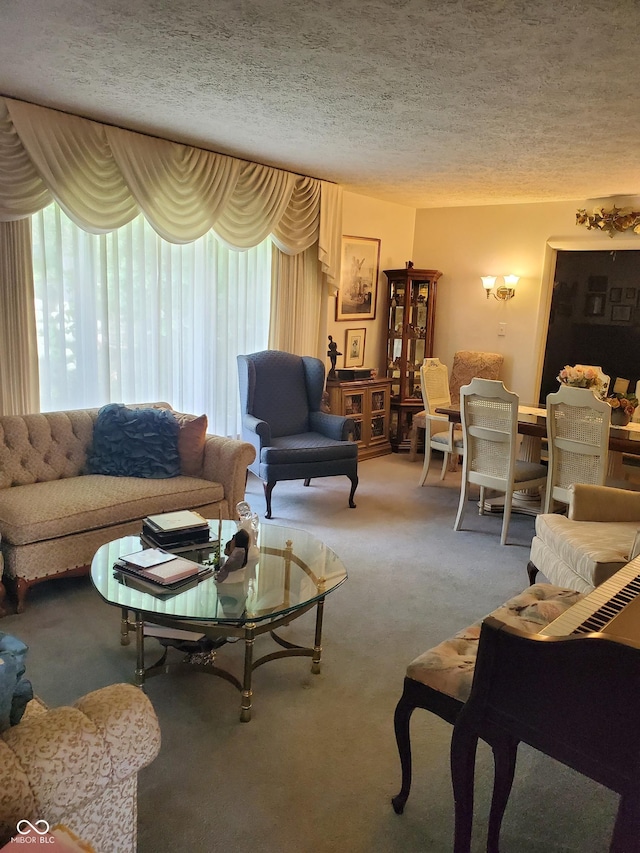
[(135, 580), (172, 522), (159, 566)]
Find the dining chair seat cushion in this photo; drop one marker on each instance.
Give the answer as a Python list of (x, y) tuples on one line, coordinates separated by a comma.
[(419, 421), (443, 438), (528, 471), (449, 666)]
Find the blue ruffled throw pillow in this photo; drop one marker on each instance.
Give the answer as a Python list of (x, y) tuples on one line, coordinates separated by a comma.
[(135, 443), (15, 691)]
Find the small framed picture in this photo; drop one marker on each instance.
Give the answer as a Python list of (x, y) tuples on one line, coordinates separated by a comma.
[(615, 294), (630, 294), (597, 283), (354, 348), (594, 305), (621, 313)]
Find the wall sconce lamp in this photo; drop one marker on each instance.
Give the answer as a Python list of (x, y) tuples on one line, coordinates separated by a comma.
[(504, 291)]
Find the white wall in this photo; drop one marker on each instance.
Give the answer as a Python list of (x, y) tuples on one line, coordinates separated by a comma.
[(465, 243), (393, 225)]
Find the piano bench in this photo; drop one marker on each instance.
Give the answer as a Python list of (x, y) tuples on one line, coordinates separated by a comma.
[(439, 680)]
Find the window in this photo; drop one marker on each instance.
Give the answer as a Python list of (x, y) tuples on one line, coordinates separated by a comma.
[(128, 317)]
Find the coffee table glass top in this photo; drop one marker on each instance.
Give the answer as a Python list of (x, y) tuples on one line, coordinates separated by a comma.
[(292, 570)]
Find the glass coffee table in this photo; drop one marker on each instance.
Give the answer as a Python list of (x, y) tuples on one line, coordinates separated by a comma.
[(293, 573)]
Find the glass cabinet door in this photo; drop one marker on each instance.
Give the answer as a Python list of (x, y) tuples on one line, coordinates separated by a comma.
[(411, 306), (416, 336), (395, 354)]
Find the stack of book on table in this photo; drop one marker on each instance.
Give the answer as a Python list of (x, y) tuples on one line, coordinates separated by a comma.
[(159, 572), (175, 529)]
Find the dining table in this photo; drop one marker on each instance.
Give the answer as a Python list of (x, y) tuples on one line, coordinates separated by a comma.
[(532, 426)]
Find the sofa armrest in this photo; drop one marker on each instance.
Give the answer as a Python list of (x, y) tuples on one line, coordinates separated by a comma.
[(226, 461), (603, 503), (56, 761)]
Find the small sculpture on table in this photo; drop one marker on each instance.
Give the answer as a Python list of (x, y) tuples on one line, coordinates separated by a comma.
[(333, 357)]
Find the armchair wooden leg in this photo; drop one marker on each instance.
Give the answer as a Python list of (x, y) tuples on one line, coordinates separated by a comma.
[(3, 595), (354, 486), (268, 488), (532, 571)]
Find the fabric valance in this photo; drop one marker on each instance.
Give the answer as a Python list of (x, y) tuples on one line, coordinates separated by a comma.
[(103, 176)]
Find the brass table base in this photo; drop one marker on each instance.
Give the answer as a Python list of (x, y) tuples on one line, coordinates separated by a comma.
[(205, 661)]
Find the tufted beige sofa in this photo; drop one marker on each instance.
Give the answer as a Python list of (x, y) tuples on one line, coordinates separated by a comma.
[(78, 766), (54, 516), (598, 536)]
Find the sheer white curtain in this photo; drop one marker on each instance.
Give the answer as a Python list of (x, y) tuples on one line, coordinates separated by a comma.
[(128, 317), (103, 177)]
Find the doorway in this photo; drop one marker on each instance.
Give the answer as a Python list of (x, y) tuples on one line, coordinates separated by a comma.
[(594, 316)]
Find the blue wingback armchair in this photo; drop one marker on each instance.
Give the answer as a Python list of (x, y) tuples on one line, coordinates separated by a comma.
[(280, 397)]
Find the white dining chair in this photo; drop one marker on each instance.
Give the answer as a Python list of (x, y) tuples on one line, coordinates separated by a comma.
[(578, 425), (490, 435), (439, 434)]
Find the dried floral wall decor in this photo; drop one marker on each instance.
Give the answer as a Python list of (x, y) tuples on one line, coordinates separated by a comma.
[(614, 221)]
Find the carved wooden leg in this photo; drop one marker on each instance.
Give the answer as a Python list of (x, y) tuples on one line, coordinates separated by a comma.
[(307, 481), (463, 760), (532, 571), (354, 486), (626, 832), (268, 488), (401, 720), (22, 588), (504, 760), (3, 595)]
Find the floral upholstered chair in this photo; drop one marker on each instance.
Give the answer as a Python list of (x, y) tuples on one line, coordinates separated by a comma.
[(468, 364), (78, 766)]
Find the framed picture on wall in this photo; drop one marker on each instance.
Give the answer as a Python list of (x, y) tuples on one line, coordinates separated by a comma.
[(620, 313), (597, 283), (354, 347), (358, 279), (630, 294), (615, 294), (594, 305)]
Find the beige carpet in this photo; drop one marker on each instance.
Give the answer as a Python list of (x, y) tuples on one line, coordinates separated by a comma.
[(315, 769)]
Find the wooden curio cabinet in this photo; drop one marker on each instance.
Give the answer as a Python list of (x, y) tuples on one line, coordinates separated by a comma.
[(411, 311), (368, 403)]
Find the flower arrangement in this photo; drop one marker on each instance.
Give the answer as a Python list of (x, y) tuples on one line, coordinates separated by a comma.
[(628, 403), (612, 221), (581, 376)]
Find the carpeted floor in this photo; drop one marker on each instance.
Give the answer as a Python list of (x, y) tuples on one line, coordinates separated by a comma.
[(315, 769)]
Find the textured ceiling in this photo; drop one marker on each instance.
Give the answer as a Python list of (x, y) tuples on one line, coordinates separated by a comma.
[(429, 104)]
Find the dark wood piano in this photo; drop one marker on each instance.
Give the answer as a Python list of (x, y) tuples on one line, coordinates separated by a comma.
[(572, 692)]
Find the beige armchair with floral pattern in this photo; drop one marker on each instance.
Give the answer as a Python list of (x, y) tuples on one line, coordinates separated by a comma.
[(78, 766)]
